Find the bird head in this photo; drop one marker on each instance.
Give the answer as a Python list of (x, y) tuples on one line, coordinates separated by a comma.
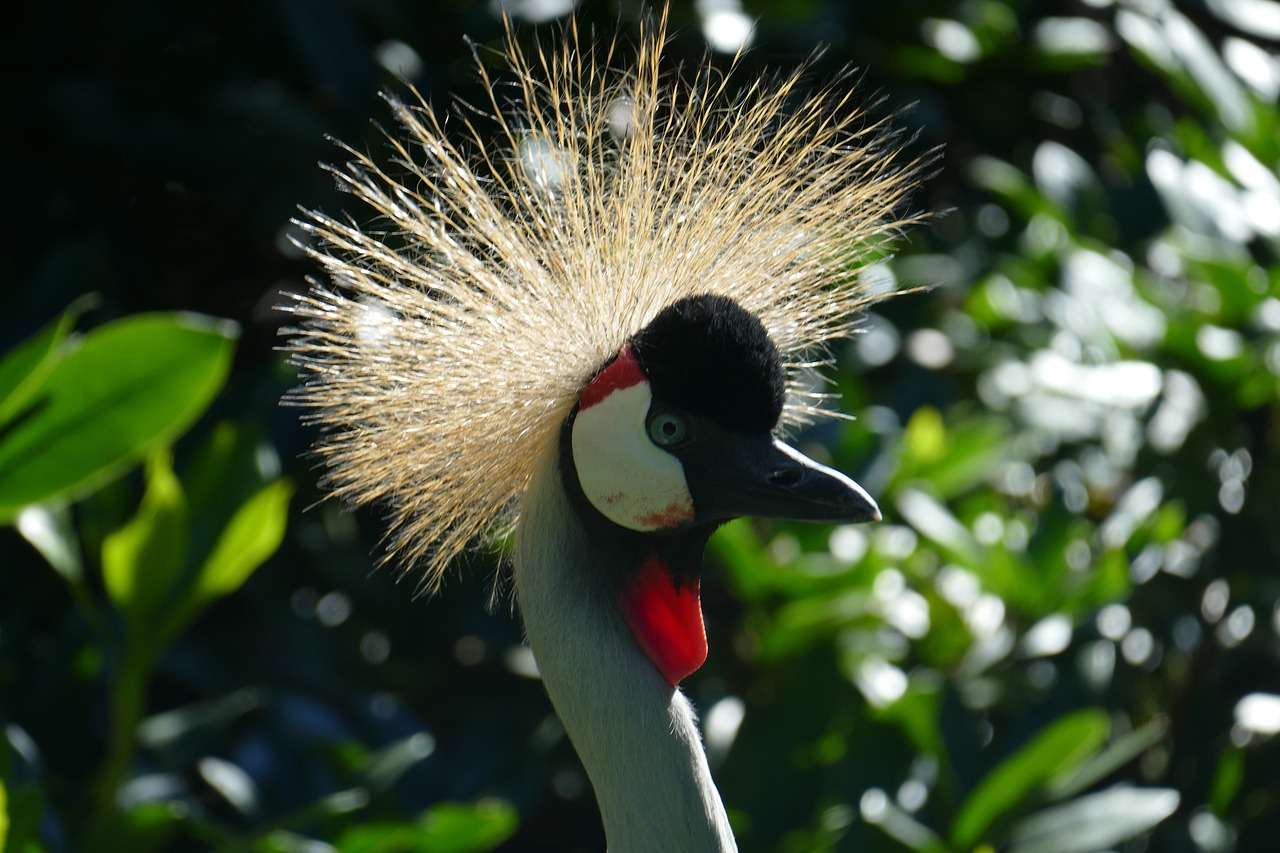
[(632, 279), (674, 436), (677, 431)]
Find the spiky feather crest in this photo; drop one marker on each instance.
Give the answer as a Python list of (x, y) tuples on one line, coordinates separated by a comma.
[(460, 331)]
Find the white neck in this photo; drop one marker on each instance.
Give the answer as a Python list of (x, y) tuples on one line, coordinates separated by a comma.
[(637, 738)]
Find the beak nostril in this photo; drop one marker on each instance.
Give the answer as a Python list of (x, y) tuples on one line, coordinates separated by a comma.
[(785, 477)]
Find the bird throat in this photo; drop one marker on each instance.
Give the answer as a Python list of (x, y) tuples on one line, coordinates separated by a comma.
[(664, 611), (655, 580)]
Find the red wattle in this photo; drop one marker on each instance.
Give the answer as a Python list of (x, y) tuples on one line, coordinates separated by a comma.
[(666, 621), (623, 372)]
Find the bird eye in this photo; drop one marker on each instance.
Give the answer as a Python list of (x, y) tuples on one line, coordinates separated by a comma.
[(667, 429)]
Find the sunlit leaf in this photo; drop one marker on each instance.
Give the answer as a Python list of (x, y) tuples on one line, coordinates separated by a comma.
[(1011, 184), (1116, 755), (226, 469), (391, 762), (172, 726), (925, 439), (25, 366), (880, 811), (444, 828), (142, 560), (933, 520), (1056, 750), (127, 387), (463, 828), (1094, 822), (252, 535), (975, 449), (230, 781), (50, 531), (1063, 43)]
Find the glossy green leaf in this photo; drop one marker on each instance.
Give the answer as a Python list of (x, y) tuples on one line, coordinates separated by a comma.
[(142, 560), (25, 366), (252, 535), (1056, 750), (1094, 822), (127, 387), (467, 828), (230, 466), (444, 828), (1116, 755)]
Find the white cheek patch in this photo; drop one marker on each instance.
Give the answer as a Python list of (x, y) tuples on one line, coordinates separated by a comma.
[(631, 481)]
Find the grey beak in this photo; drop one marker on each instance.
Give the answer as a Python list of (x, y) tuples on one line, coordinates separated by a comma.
[(762, 477)]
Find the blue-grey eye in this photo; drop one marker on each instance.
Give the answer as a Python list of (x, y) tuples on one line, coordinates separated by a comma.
[(667, 429)]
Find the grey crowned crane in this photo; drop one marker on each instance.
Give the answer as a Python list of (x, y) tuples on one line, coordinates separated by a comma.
[(589, 334)]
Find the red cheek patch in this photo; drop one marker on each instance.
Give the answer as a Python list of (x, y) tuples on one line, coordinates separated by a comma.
[(666, 621), (623, 372)]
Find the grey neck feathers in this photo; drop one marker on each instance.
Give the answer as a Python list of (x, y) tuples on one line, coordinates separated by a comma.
[(637, 738)]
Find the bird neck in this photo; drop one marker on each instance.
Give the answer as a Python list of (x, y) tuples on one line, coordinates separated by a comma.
[(636, 735)]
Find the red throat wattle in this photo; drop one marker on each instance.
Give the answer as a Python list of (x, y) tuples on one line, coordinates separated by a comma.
[(666, 620)]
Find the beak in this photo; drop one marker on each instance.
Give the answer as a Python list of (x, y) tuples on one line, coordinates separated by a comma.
[(759, 476)]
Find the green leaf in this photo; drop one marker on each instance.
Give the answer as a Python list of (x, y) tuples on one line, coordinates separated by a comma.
[(974, 449), (25, 366), (444, 828), (226, 469), (1117, 754), (126, 388), (901, 826), (1095, 822), (925, 439), (1227, 779), (4, 815), (739, 548), (144, 828), (385, 767), (935, 521), (253, 534), (142, 560), (1054, 752), (467, 828)]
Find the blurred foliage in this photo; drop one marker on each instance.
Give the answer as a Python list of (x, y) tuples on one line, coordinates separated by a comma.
[(1064, 637)]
